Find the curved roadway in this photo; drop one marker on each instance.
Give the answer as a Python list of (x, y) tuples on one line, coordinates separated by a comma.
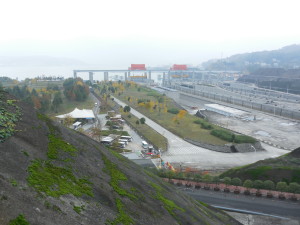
[(185, 154)]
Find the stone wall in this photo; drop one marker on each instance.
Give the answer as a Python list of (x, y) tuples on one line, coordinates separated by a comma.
[(230, 148)]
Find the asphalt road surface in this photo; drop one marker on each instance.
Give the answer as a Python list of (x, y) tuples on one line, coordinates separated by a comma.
[(276, 207)]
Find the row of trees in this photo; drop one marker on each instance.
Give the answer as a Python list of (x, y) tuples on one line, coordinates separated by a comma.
[(42, 99), (76, 89), (292, 187)]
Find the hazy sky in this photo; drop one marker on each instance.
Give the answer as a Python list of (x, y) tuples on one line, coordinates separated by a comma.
[(154, 32)]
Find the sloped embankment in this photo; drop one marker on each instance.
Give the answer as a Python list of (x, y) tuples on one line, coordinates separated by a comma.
[(53, 175), (284, 168)]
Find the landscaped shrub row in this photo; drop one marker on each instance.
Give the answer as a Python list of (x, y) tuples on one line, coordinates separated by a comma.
[(292, 187), (173, 111), (223, 134), (204, 124), (229, 136)]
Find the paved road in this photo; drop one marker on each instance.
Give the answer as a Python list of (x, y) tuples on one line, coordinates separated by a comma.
[(282, 208), (186, 154)]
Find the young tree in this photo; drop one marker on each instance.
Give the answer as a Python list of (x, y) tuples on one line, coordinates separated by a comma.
[(269, 185), (248, 184), (137, 122), (68, 121), (126, 108), (142, 120), (227, 180), (281, 186), (294, 187), (57, 101), (258, 184), (236, 181), (96, 133)]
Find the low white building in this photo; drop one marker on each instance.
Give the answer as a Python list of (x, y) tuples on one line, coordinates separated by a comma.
[(78, 114), (224, 110)]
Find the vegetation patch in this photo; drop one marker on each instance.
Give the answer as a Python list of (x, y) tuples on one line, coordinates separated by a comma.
[(116, 176), (204, 124), (78, 209), (122, 217), (10, 113), (169, 205), (118, 132), (231, 137), (258, 171), (56, 144), (173, 111), (20, 220), (56, 181)]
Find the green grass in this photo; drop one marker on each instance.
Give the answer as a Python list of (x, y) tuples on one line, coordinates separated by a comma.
[(68, 106), (116, 176), (56, 181), (122, 217), (13, 182), (78, 209), (185, 127), (258, 172), (53, 180), (169, 205), (56, 144), (20, 220), (118, 132)]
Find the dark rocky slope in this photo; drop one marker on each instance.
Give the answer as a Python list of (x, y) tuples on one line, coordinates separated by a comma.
[(53, 175)]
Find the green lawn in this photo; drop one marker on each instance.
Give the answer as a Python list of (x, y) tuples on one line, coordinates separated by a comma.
[(68, 106), (184, 127)]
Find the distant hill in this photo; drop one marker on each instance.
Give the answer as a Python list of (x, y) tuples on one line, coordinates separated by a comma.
[(53, 175), (287, 57), (284, 168), (39, 61)]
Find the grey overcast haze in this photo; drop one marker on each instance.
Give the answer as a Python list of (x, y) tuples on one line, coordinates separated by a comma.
[(114, 34)]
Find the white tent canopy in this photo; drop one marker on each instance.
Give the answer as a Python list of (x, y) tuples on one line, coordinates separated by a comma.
[(79, 114)]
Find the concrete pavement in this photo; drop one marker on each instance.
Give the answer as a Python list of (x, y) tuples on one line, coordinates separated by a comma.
[(185, 154)]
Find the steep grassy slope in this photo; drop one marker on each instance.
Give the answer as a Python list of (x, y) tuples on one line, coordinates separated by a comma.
[(284, 168), (53, 175)]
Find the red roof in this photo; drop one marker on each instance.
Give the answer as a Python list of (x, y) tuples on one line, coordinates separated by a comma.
[(179, 67), (137, 67)]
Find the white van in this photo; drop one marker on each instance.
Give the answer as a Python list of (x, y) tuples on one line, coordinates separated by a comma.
[(144, 144), (123, 140), (128, 138), (121, 144)]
